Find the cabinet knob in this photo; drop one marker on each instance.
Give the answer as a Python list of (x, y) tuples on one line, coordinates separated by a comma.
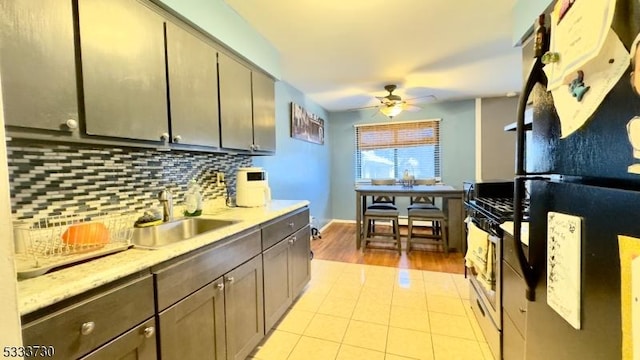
[(220, 286), (522, 310), (256, 147), (87, 328), (149, 331), (229, 279), (164, 136), (71, 124), (291, 225), (291, 241), (177, 138), (252, 147), (294, 239)]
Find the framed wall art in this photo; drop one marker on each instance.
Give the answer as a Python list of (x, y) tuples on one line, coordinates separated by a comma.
[(306, 126)]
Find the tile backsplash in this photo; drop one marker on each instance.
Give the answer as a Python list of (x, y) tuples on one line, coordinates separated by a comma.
[(53, 179)]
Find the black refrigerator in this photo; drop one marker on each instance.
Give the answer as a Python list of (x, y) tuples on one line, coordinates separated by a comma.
[(585, 175)]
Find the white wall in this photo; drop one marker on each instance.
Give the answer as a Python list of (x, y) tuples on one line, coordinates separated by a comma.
[(10, 333), (495, 148)]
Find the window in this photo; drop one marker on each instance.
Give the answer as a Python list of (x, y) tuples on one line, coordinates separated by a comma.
[(386, 150)]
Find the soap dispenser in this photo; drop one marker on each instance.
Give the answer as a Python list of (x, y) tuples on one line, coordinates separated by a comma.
[(193, 200)]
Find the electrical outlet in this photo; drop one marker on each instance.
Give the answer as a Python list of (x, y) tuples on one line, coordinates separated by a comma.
[(220, 178)]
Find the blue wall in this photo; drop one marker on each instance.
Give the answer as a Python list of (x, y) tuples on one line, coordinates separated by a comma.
[(457, 131), (300, 169)]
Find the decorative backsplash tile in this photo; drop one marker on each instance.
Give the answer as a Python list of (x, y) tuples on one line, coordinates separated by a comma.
[(53, 179)]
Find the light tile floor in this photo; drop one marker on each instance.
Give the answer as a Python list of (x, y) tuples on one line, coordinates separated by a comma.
[(354, 311)]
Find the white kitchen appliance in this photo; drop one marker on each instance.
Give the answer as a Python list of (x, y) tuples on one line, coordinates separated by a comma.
[(252, 187)]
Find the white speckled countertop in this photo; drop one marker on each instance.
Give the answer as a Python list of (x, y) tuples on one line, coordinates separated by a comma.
[(36, 293)]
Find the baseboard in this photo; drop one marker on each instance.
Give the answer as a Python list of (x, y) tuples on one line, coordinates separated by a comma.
[(402, 220)]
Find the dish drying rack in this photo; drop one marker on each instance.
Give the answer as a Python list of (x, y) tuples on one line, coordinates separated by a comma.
[(62, 240)]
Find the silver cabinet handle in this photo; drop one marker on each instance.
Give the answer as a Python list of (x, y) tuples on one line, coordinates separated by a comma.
[(257, 147), (220, 286), (294, 238), (291, 225), (177, 138), (522, 311), (291, 241), (164, 136), (252, 147), (149, 331), (230, 279), (87, 328), (71, 124)]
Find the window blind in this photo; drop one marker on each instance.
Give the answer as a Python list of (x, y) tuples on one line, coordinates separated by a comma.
[(387, 150)]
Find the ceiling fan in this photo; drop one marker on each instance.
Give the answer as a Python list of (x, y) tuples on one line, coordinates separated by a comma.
[(391, 105)]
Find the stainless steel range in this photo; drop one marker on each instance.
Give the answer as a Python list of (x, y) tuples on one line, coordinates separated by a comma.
[(489, 204)]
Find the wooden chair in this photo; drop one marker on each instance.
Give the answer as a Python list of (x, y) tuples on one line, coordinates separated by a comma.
[(370, 235), (435, 216), (382, 208), (382, 202), (425, 202)]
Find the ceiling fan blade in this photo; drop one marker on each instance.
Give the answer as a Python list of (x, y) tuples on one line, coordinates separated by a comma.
[(363, 108)]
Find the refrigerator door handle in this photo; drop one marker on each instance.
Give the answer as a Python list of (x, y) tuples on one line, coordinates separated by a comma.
[(536, 75)]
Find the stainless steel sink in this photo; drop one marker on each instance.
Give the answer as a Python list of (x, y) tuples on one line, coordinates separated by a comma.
[(175, 231)]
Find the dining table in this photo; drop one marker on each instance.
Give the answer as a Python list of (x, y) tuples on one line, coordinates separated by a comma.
[(452, 206)]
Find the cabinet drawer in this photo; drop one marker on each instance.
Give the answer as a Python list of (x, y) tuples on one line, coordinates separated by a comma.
[(101, 317), (137, 343), (174, 281), (512, 341), (513, 296), (280, 228)]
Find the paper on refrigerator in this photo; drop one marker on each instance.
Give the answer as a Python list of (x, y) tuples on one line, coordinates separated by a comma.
[(629, 248), (600, 74), (564, 249), (578, 37)]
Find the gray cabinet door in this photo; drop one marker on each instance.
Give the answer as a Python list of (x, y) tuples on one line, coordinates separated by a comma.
[(264, 112), (300, 260), (278, 292), (123, 69), (244, 308), (194, 328), (193, 88), (236, 113), (138, 343), (38, 63)]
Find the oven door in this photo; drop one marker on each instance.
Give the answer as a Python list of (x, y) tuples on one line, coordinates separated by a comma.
[(487, 284)]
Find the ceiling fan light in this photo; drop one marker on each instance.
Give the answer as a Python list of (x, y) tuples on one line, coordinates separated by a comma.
[(391, 111)]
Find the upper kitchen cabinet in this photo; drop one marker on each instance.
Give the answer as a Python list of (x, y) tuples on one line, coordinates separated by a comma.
[(247, 112), (38, 64), (264, 112), (123, 69), (193, 88), (236, 112)]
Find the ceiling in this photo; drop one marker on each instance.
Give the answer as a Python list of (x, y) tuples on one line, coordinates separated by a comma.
[(341, 53)]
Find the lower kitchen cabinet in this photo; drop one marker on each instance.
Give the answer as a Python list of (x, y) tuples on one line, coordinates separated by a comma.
[(194, 328), (102, 322), (244, 309), (137, 343), (300, 260), (286, 273), (278, 291)]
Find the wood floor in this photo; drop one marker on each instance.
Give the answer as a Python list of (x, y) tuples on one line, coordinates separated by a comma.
[(338, 243)]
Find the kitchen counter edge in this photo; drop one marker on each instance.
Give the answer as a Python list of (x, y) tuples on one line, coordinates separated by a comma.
[(48, 289)]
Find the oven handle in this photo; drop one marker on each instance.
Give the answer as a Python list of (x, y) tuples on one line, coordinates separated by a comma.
[(536, 75)]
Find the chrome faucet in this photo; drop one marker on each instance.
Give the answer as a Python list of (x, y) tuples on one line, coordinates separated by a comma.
[(166, 199)]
